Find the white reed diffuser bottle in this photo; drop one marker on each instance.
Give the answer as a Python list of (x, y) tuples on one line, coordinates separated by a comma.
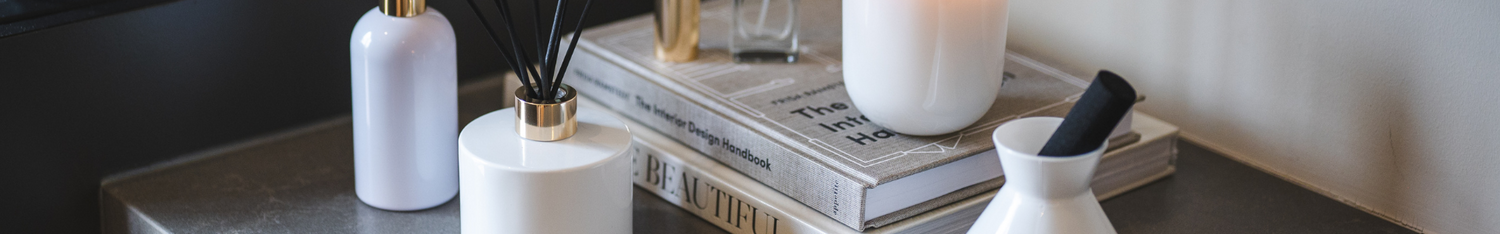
[(924, 67), (545, 166), (405, 84)]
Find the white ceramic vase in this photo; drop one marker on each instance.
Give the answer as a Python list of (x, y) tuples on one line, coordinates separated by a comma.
[(923, 67), (405, 99), (1042, 194)]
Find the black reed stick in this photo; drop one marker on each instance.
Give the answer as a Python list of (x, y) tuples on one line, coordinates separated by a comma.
[(542, 83), (521, 56), (536, 13), (504, 53), (552, 43), (577, 32)]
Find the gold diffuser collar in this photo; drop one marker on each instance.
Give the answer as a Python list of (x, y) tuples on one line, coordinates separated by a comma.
[(403, 8), (547, 120)]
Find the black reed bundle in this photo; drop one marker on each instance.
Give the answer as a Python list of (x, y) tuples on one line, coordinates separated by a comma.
[(543, 82)]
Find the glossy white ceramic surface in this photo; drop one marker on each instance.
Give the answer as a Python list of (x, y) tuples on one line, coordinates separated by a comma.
[(581, 184), (923, 67), (404, 85), (1041, 195)]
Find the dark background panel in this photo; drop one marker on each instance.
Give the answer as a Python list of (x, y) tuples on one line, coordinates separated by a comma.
[(19, 10), (90, 98)]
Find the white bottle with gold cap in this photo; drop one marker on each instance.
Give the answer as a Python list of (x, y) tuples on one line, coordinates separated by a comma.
[(545, 166), (405, 79)]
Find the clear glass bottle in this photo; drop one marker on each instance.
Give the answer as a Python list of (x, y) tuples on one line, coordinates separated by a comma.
[(764, 31)]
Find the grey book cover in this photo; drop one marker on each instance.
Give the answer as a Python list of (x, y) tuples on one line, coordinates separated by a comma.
[(793, 126)]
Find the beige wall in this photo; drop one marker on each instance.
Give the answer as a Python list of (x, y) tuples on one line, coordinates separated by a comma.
[(1388, 105)]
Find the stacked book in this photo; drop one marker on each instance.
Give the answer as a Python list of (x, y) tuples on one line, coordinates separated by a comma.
[(780, 148)]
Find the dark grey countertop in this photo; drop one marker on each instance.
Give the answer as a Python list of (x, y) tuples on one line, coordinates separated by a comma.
[(301, 181)]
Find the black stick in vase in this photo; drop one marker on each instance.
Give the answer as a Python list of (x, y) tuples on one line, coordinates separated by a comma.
[(542, 84), (505, 54), (1089, 123)]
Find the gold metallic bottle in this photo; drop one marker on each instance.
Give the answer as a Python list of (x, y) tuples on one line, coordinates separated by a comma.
[(676, 30)]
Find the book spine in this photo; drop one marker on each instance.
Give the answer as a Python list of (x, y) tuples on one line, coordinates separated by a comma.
[(733, 144), (703, 190)]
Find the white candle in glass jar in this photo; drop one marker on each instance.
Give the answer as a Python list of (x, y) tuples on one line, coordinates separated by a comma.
[(923, 67)]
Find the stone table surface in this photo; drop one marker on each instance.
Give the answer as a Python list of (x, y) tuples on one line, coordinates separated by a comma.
[(301, 181)]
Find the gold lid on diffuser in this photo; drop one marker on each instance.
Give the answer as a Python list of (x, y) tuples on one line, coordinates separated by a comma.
[(547, 120), (403, 8)]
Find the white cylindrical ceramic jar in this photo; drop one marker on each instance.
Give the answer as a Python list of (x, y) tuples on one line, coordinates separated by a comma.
[(923, 67), (545, 168), (405, 82)]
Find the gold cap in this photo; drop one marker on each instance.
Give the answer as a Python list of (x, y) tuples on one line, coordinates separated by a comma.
[(403, 8), (547, 120)]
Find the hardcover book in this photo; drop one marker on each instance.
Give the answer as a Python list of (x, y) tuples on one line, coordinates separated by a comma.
[(793, 128), (738, 204)]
